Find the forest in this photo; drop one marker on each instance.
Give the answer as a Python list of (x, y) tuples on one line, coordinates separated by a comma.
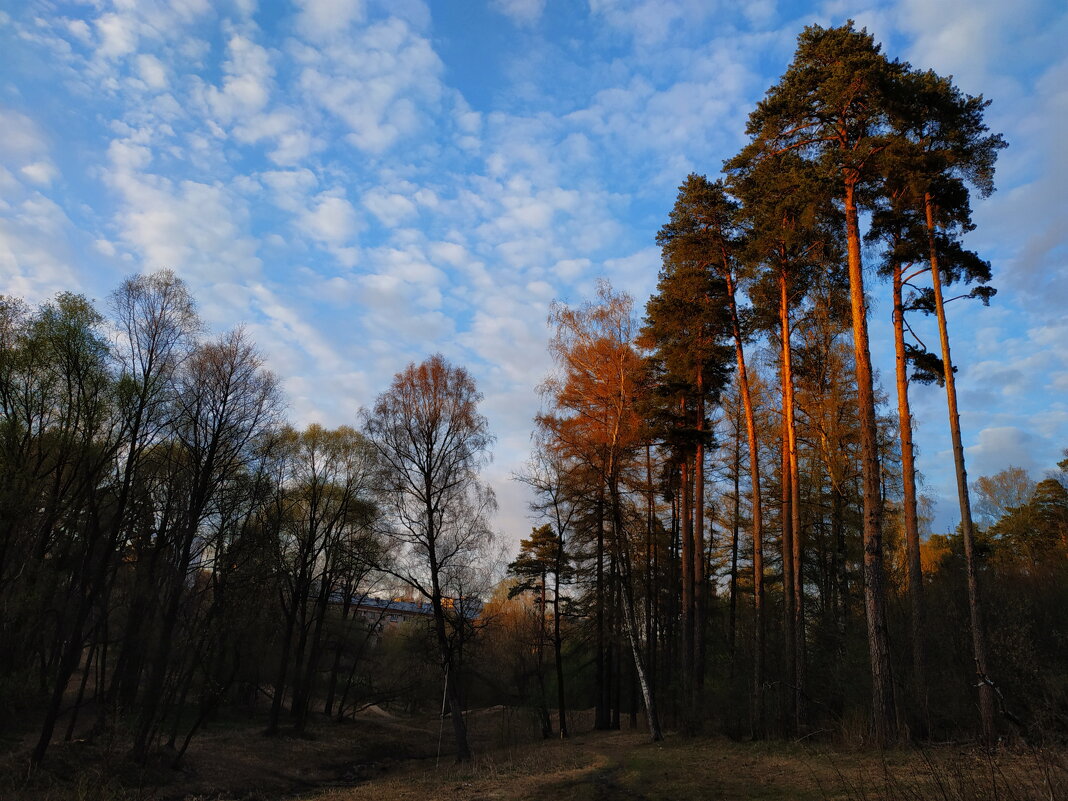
[(730, 542)]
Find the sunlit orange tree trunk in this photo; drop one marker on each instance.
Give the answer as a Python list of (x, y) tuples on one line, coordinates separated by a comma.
[(790, 232), (943, 144), (830, 108), (691, 317), (899, 231)]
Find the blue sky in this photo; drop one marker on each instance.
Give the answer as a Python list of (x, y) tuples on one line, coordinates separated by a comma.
[(363, 183)]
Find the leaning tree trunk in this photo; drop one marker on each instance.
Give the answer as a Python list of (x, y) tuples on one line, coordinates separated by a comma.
[(986, 688), (884, 719), (912, 530), (629, 622)]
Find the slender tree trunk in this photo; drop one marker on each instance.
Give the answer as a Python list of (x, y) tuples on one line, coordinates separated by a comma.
[(280, 676), (81, 692), (601, 721), (298, 655), (919, 715), (986, 687), (797, 670), (758, 527), (335, 668), (651, 605), (736, 513), (561, 705), (543, 697), (452, 683), (615, 670), (699, 582), (632, 701), (160, 665), (787, 545), (630, 625), (314, 656), (91, 581), (687, 599), (674, 609), (884, 719)]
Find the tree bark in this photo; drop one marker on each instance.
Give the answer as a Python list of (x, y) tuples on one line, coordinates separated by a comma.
[(787, 547), (986, 688), (884, 720), (732, 623), (561, 705), (459, 727), (920, 726), (699, 583), (601, 720), (797, 627), (629, 623), (688, 722), (758, 523)]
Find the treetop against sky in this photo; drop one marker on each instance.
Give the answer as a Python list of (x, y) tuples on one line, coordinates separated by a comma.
[(364, 183)]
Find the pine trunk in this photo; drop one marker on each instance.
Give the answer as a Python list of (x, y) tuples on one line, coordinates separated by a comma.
[(986, 689), (699, 600), (884, 719), (796, 581), (687, 599), (912, 530), (758, 528)]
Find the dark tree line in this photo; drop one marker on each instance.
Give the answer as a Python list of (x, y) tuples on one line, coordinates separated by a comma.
[(169, 546)]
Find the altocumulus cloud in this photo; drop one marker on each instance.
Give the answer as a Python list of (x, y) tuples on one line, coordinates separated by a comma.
[(361, 183)]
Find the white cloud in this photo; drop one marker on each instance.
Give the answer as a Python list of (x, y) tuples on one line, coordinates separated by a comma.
[(378, 84), (290, 187), (324, 19), (556, 169), (36, 260), (332, 220), (650, 21), (23, 140), (152, 71), (1001, 446), (522, 12), (247, 85), (40, 172), (118, 35), (391, 208), (198, 229)]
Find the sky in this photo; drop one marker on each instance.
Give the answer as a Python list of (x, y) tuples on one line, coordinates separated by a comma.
[(361, 184)]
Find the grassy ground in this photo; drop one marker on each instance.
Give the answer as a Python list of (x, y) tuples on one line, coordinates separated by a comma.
[(231, 760), (384, 758), (624, 766)]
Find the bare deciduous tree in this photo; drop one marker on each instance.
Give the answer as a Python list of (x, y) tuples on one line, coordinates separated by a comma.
[(431, 441)]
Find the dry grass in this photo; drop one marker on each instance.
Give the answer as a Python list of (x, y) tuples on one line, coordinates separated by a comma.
[(231, 762), (383, 759), (623, 765)]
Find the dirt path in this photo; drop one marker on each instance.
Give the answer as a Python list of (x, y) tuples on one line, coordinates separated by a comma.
[(383, 759), (621, 766)]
